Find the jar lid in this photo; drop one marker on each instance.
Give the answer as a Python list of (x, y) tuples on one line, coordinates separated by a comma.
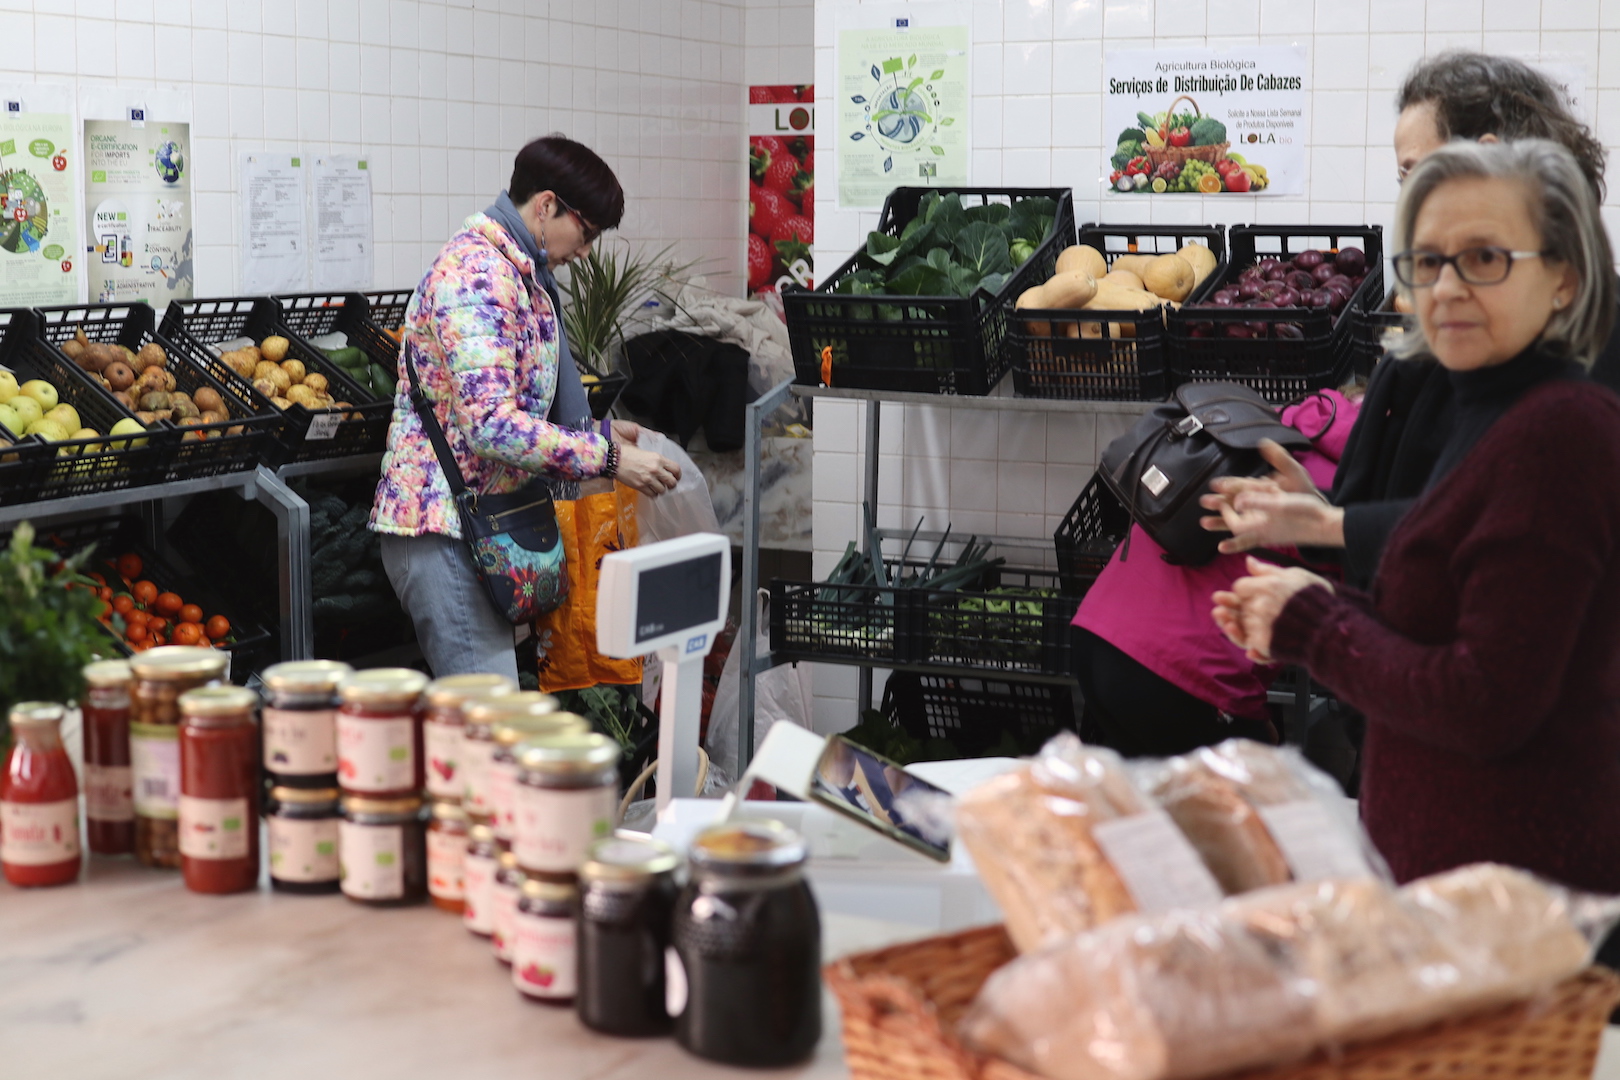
[(574, 753), (481, 834), (359, 804), (103, 673), (383, 686), (628, 859), (452, 690), (747, 844), (549, 892), (511, 730), (507, 860), (490, 709), (218, 701), (452, 812), (304, 795), (179, 662), (306, 676), (35, 712)]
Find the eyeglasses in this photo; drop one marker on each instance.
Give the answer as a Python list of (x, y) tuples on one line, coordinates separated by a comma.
[(1476, 266), (588, 231)]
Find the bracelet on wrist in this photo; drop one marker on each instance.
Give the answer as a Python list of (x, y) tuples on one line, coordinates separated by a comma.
[(611, 470)]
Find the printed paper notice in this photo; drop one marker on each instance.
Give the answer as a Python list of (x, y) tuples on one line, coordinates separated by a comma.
[(39, 217), (343, 256), (1158, 865), (138, 205), (902, 99), (1315, 845), (275, 257)]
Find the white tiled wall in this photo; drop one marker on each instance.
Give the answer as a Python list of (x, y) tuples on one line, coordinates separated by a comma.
[(1037, 120)]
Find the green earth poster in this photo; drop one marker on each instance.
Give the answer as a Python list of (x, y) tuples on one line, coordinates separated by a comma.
[(38, 209), (902, 100), (139, 243)]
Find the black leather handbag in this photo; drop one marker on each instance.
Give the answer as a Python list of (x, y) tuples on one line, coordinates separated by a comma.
[(1164, 464)]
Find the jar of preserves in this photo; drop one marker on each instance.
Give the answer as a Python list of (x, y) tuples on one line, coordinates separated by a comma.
[(161, 676), (744, 980), (478, 869), (509, 729), (109, 806), (382, 844), (626, 901), (300, 722), (219, 805), (447, 854), (379, 731), (544, 957), (567, 797), (303, 825), (509, 879), (443, 726), (478, 745), (39, 801)]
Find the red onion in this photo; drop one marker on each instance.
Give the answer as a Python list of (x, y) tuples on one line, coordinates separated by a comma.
[(1324, 273), (1308, 260), (1351, 261)]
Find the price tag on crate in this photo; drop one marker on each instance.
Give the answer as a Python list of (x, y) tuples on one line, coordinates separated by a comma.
[(324, 426)]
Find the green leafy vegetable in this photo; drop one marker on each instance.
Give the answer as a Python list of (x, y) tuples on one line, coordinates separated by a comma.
[(1208, 132)]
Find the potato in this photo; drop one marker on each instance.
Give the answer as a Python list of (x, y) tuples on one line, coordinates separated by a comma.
[(267, 370), (208, 399), (303, 395), (317, 382), (213, 416), (281, 403), (294, 369), (274, 349), (267, 388), (146, 418), (184, 408), (155, 400)]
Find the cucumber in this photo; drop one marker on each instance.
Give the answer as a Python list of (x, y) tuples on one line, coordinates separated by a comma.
[(349, 358), (382, 384)]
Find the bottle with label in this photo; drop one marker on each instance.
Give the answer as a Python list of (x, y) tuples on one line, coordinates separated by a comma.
[(743, 978), (219, 805), (300, 722), (447, 854), (39, 801), (510, 728), (379, 730), (303, 829), (109, 805), (444, 725), (161, 676), (383, 847), (567, 798), (627, 899), (509, 879), (544, 956), (478, 869)]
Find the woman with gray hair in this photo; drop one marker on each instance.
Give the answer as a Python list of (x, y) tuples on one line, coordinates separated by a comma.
[(1487, 655)]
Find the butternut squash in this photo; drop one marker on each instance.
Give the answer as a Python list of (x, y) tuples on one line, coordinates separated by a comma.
[(1071, 289), (1035, 298), (1136, 264), (1169, 276), (1201, 259), (1082, 257), (1125, 280)]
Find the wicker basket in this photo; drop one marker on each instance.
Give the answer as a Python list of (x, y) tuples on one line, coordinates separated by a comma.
[(1209, 155), (901, 1005)]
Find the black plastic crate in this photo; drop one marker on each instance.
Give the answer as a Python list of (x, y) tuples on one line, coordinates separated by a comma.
[(361, 428), (249, 437), (811, 620), (1280, 368), (1367, 334), (922, 344), (76, 466), (1088, 534), (978, 715), (313, 315), (1106, 356), (22, 458), (988, 630)]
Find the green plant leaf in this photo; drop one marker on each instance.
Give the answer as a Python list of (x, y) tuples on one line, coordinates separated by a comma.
[(982, 248), (881, 247), (600, 292)]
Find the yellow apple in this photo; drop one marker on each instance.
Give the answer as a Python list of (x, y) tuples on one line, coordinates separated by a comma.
[(41, 391), (49, 430), (66, 415), (27, 409), (10, 420), (127, 426), (8, 386)]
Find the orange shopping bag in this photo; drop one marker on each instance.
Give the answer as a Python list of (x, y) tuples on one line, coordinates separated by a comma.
[(591, 526)]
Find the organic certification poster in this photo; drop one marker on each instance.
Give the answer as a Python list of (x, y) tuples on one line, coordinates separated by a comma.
[(138, 209), (275, 255), (902, 95), (39, 182), (1207, 122), (343, 247)]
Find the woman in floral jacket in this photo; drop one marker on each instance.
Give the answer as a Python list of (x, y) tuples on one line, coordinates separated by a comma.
[(485, 336)]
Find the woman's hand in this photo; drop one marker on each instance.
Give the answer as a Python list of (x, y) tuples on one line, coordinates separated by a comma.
[(1247, 613), (646, 472), (1284, 508), (627, 431)]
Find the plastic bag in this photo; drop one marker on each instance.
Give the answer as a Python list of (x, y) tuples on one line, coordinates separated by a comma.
[(782, 693), (686, 510), (591, 526)]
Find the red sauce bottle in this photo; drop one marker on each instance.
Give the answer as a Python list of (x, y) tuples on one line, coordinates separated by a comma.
[(219, 818), (109, 806), (39, 801)]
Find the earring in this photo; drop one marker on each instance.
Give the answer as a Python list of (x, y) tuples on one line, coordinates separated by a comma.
[(1558, 301)]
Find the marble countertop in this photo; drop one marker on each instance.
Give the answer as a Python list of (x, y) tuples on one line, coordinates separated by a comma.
[(127, 976)]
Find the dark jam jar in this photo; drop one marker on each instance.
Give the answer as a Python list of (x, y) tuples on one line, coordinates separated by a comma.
[(109, 805), (744, 968), (383, 847), (626, 901), (300, 722), (303, 828)]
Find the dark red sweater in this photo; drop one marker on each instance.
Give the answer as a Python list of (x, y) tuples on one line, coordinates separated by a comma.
[(1487, 658)]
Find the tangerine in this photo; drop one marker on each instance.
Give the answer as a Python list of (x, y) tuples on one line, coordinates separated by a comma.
[(1209, 183), (186, 633), (219, 626), (191, 613), (168, 603), (144, 592), (123, 603), (130, 566)]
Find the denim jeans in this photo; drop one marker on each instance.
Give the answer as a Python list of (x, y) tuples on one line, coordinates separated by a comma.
[(456, 624)]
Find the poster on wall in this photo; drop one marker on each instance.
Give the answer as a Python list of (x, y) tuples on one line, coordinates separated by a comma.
[(275, 253), (343, 247), (1207, 121), (902, 98), (39, 193), (781, 187)]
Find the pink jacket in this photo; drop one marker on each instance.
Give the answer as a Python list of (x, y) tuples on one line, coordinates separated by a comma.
[(1159, 614)]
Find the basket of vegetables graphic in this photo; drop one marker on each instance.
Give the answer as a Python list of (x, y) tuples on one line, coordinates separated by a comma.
[(1185, 137), (1185, 152)]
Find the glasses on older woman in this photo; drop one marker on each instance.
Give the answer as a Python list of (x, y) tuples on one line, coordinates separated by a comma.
[(588, 232), (1476, 266)]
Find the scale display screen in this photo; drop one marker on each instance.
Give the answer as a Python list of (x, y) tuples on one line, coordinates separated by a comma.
[(674, 597)]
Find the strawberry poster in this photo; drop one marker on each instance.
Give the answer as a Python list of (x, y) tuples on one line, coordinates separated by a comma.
[(781, 186)]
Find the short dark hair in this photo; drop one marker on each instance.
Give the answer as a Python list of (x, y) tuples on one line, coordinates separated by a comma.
[(575, 172), (1476, 95)]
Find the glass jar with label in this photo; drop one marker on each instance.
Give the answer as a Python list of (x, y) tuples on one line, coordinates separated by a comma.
[(161, 676), (303, 826), (544, 957), (39, 801), (444, 723), (300, 722), (478, 869), (509, 879), (109, 805), (383, 847), (380, 733), (509, 729), (627, 898), (478, 746), (447, 854), (219, 771), (743, 973), (567, 797)]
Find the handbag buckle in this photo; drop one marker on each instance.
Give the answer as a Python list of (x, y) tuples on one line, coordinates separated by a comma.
[(1188, 426)]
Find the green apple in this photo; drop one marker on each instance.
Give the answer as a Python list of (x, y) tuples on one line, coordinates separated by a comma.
[(27, 409), (88, 433), (8, 386), (10, 420), (127, 426), (66, 415), (41, 391), (49, 430)]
